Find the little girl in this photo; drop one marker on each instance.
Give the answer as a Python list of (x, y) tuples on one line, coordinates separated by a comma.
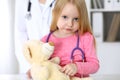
[(72, 35)]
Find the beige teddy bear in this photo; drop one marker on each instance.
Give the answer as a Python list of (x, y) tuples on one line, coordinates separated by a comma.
[(38, 54)]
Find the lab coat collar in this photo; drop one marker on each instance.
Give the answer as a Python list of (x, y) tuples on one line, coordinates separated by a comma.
[(47, 4)]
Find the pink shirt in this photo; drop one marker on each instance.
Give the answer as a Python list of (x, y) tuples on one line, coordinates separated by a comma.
[(64, 47)]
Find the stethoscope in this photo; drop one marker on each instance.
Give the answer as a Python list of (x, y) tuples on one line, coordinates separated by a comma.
[(29, 15), (74, 49)]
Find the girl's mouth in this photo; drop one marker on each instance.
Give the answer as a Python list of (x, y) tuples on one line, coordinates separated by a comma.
[(68, 29)]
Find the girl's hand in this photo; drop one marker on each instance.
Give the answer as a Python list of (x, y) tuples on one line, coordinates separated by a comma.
[(70, 69), (29, 74)]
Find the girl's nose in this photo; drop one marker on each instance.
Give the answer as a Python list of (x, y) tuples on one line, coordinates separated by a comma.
[(70, 23)]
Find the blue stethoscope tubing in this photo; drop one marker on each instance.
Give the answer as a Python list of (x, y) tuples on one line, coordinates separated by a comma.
[(76, 48)]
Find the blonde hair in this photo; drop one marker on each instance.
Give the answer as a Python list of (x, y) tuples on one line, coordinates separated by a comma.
[(82, 9), (83, 15)]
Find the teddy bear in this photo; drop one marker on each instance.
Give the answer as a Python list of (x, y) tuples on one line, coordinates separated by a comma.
[(37, 54)]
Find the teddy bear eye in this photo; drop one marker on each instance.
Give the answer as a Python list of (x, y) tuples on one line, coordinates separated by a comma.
[(30, 52)]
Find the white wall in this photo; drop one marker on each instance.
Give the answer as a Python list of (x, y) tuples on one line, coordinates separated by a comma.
[(8, 63), (109, 56)]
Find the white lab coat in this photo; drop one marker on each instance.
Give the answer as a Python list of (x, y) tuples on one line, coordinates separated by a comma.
[(35, 28)]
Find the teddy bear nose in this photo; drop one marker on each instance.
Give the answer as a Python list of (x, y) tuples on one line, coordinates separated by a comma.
[(51, 43)]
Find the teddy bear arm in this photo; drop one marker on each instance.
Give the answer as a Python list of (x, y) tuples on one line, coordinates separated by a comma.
[(39, 73), (55, 60)]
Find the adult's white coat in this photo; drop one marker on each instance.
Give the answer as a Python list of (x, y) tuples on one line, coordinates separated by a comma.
[(34, 28)]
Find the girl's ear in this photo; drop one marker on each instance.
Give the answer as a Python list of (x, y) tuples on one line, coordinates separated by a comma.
[(27, 53)]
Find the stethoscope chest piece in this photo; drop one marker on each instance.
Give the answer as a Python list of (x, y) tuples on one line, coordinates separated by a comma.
[(28, 16)]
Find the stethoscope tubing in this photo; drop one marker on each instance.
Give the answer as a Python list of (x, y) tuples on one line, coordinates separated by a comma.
[(29, 6), (76, 48), (29, 15)]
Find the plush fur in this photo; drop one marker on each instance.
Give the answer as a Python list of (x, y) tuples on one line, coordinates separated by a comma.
[(38, 54)]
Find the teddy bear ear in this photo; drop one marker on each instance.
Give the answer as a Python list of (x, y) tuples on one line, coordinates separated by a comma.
[(27, 53), (51, 43)]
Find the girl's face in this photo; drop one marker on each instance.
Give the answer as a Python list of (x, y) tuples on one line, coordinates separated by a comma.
[(68, 21)]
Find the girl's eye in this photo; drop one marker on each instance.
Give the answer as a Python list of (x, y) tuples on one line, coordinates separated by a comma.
[(76, 19), (64, 17)]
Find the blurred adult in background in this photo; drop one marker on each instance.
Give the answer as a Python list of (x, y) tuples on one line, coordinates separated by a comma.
[(32, 21)]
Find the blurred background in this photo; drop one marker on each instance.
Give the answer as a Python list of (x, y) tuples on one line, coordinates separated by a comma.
[(8, 62), (108, 50)]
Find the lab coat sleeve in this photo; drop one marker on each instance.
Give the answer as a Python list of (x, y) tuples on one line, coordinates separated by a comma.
[(91, 64), (20, 34)]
